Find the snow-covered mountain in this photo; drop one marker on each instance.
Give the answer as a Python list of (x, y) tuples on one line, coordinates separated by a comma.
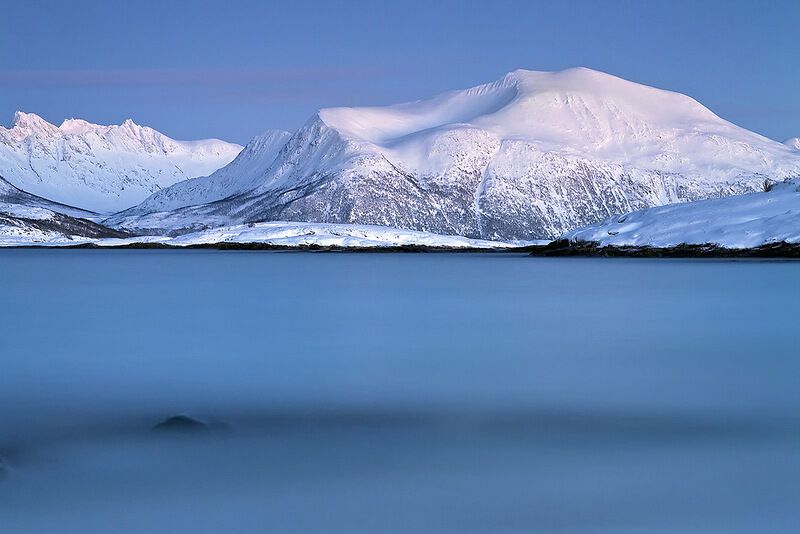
[(741, 221), (793, 142), (101, 168), (531, 155), (241, 175)]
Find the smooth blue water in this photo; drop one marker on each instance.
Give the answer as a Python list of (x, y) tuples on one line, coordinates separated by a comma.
[(398, 393)]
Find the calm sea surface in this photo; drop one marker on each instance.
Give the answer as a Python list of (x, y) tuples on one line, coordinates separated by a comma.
[(397, 393)]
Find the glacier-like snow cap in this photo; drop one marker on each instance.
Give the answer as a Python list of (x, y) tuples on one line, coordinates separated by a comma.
[(578, 111), (554, 106)]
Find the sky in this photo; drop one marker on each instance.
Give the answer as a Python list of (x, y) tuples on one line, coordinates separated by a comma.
[(232, 69)]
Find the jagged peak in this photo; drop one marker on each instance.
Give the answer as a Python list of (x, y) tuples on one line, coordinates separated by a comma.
[(30, 121), (129, 123)]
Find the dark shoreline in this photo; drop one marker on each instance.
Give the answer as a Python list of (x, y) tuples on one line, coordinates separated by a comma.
[(564, 248), (560, 248), (225, 246)]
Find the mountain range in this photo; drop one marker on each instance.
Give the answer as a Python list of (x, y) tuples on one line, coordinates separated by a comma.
[(530, 156), (103, 169)]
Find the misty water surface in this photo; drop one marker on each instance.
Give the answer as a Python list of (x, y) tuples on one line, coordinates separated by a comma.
[(397, 393)]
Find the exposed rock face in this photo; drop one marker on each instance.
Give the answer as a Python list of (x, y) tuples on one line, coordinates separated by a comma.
[(180, 424)]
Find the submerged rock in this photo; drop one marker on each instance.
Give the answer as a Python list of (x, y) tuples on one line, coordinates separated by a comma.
[(181, 424), (5, 470)]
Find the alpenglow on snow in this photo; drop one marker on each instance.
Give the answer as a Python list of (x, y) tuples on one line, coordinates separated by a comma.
[(101, 168), (531, 155)]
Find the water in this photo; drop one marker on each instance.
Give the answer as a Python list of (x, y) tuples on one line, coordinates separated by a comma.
[(397, 393)]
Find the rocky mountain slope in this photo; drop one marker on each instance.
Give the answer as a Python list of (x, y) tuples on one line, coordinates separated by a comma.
[(101, 168)]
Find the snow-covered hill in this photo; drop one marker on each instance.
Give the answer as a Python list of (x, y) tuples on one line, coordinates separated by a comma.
[(241, 175), (742, 221), (26, 219), (531, 155), (11, 195), (793, 142), (101, 168)]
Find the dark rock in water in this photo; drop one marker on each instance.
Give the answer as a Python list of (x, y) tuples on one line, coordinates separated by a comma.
[(181, 424)]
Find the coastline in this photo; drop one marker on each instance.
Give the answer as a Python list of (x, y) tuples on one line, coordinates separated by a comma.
[(559, 248)]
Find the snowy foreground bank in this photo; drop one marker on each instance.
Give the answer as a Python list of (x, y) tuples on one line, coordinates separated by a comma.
[(737, 222), (288, 234)]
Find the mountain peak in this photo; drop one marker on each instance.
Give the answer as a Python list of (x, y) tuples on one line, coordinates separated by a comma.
[(588, 111), (30, 121), (598, 84), (584, 72), (793, 142), (77, 126), (128, 123)]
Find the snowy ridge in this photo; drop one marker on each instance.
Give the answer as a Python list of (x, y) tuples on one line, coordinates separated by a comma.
[(101, 168), (16, 200), (237, 177), (21, 211), (529, 156), (742, 221), (793, 142), (27, 219)]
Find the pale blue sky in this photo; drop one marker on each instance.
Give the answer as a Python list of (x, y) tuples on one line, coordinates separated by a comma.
[(231, 68)]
